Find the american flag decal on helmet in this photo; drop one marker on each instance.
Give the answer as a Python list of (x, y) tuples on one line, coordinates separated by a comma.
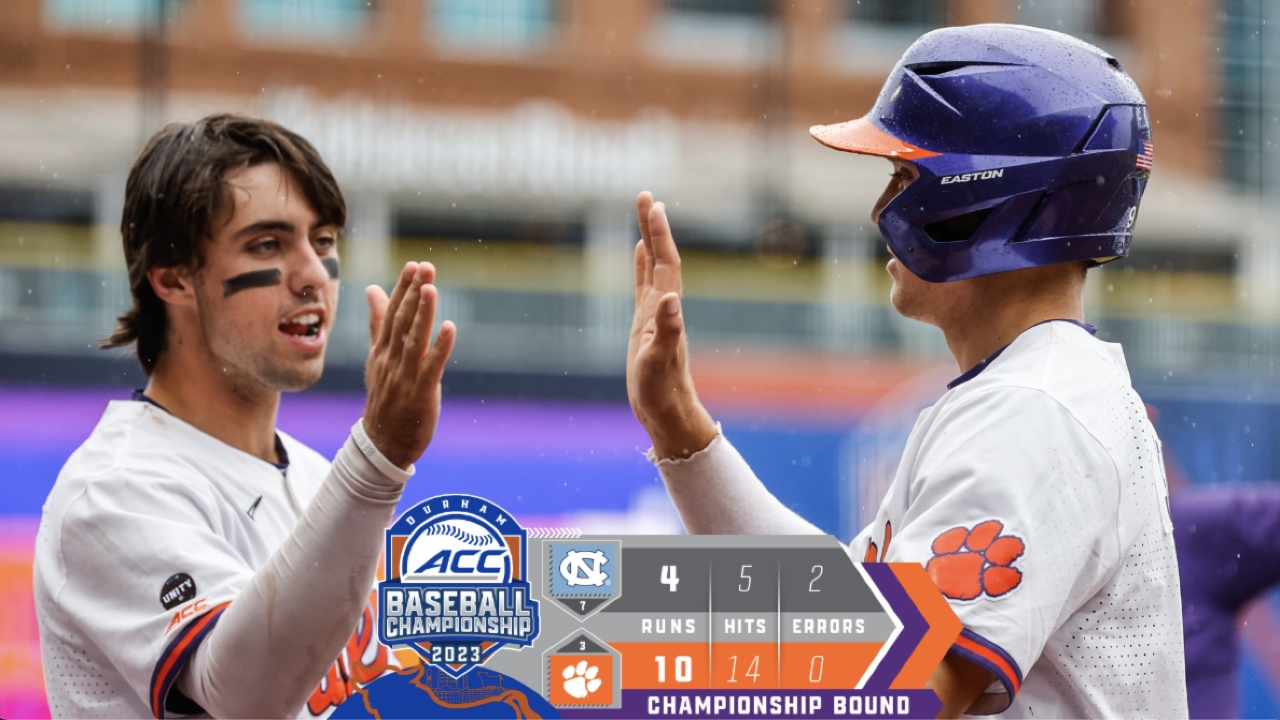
[(1147, 155)]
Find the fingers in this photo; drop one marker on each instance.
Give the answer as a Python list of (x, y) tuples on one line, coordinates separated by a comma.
[(644, 201), (642, 259), (419, 333), (433, 364), (405, 314), (666, 259), (397, 294), (378, 301), (669, 322), (644, 205)]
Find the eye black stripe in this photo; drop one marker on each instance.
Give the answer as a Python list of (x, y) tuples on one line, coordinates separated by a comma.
[(331, 264), (254, 279)]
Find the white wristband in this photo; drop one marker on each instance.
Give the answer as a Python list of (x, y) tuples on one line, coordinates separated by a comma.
[(373, 455), (697, 457)]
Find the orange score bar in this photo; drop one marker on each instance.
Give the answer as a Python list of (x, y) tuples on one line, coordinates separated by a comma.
[(744, 665)]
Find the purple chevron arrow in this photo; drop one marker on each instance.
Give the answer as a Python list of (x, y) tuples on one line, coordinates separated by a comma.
[(914, 626)]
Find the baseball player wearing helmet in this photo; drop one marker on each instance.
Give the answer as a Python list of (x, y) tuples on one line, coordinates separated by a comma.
[(1033, 491), (192, 559)]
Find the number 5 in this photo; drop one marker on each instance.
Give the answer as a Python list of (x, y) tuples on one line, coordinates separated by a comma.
[(746, 577)]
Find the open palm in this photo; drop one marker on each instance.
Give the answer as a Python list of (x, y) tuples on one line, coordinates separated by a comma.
[(659, 384)]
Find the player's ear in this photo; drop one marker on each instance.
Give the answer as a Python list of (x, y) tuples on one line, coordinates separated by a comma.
[(174, 285)]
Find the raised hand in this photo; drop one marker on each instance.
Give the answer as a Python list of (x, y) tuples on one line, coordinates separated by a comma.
[(404, 368), (658, 381)]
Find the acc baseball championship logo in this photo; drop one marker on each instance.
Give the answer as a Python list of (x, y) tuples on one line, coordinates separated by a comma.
[(457, 590)]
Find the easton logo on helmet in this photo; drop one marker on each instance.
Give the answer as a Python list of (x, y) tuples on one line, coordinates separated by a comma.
[(968, 177)]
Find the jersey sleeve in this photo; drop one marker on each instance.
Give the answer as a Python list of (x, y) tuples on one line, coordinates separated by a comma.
[(1013, 511), (148, 574)]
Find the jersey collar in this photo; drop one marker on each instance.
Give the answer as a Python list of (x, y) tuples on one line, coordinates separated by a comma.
[(140, 396), (976, 370)]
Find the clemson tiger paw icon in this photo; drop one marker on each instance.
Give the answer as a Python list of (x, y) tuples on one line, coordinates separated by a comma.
[(580, 680), (968, 563)]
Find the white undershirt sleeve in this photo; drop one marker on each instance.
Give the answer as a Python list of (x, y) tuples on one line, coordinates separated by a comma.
[(278, 638), (716, 493)]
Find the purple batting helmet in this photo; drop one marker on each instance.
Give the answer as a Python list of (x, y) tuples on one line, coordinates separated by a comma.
[(1033, 148)]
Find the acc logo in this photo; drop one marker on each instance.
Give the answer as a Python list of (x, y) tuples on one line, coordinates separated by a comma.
[(583, 568), (457, 588), (187, 613)]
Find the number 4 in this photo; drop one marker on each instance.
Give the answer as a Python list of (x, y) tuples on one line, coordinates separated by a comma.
[(669, 577)]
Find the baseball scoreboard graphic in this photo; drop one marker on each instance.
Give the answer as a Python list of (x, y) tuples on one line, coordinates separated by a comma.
[(507, 625)]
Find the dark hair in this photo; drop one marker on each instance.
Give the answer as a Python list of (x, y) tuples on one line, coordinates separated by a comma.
[(177, 193)]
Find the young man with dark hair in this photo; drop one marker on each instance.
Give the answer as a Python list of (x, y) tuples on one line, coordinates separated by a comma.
[(1033, 491), (191, 557)]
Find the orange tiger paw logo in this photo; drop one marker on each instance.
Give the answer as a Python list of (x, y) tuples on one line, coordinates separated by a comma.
[(969, 563)]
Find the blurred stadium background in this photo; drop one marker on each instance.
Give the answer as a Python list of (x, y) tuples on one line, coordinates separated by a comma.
[(504, 140)]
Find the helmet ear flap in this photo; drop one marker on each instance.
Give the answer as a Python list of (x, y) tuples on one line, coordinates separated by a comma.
[(958, 228), (946, 249), (1079, 209)]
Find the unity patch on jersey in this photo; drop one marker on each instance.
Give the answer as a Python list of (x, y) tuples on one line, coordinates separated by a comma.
[(456, 589), (179, 588), (970, 563)]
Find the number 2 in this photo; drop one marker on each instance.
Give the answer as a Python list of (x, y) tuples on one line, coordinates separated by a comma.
[(818, 570)]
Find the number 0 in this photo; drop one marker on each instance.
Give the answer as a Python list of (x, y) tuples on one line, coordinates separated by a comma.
[(684, 668)]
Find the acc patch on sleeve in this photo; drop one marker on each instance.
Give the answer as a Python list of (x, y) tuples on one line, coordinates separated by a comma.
[(969, 563)]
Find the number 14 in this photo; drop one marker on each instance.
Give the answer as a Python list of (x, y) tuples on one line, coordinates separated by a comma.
[(753, 670)]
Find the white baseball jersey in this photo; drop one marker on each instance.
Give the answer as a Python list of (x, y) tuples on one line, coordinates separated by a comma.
[(151, 530), (1034, 493)]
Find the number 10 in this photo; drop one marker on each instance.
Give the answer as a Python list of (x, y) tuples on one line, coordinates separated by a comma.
[(684, 668)]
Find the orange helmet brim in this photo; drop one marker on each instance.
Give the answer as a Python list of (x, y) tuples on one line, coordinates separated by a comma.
[(862, 137)]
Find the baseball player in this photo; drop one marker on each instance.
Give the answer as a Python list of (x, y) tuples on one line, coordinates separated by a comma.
[(1229, 558), (192, 559), (1033, 491)]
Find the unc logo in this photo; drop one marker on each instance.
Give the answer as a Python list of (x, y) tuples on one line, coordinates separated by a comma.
[(583, 568), (579, 570), (456, 588)]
